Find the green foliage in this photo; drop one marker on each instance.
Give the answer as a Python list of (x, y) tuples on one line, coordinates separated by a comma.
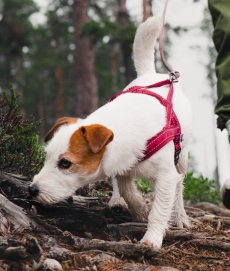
[(15, 33), (109, 81), (143, 186), (101, 193), (31, 54), (198, 189), (20, 152), (98, 30), (15, 26)]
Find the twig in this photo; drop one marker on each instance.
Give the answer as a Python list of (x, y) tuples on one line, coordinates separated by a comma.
[(41, 260), (211, 243), (198, 255), (218, 225), (165, 251)]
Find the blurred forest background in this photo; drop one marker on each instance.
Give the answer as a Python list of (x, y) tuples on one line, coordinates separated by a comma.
[(71, 64), (82, 54)]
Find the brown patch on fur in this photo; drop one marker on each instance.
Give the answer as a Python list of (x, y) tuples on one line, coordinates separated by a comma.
[(86, 148), (58, 123), (97, 136)]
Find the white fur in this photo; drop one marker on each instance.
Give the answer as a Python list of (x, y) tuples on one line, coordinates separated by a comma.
[(144, 43), (116, 200), (133, 118)]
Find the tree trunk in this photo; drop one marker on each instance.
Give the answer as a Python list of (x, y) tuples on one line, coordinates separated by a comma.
[(86, 81), (41, 117), (113, 67), (126, 47), (60, 99), (147, 9), (19, 82)]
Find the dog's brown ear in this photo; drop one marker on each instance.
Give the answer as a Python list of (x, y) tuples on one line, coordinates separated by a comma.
[(97, 136), (58, 123)]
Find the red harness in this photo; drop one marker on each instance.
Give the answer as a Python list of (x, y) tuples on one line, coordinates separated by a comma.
[(171, 130)]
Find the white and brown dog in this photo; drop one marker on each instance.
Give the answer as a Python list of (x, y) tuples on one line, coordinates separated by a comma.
[(110, 142)]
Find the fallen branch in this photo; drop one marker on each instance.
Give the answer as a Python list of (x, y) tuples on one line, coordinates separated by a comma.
[(211, 243), (212, 208), (20, 183), (120, 248), (195, 212), (15, 215)]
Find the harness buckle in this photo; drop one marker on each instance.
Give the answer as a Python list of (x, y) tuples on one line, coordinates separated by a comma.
[(173, 76), (176, 156)]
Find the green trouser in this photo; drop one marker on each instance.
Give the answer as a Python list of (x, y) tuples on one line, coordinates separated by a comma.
[(220, 12)]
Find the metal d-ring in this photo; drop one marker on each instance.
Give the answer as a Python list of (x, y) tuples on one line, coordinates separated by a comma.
[(173, 76)]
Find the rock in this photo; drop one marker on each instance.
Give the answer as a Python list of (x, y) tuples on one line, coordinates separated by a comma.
[(168, 268), (52, 265)]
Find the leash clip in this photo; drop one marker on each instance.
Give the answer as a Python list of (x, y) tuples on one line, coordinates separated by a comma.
[(173, 76)]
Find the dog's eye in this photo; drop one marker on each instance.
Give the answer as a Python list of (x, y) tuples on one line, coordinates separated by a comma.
[(64, 164)]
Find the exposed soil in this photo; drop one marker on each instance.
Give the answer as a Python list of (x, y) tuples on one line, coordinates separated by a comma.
[(84, 234)]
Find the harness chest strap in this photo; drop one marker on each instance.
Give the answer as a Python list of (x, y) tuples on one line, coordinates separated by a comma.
[(172, 129)]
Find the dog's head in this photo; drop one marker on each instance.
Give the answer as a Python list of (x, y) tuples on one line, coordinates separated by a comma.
[(73, 157)]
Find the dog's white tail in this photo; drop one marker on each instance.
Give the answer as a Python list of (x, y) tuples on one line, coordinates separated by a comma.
[(143, 47)]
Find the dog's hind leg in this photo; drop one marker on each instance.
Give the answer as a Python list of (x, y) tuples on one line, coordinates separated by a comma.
[(179, 216), (133, 198), (182, 164), (165, 189), (116, 200)]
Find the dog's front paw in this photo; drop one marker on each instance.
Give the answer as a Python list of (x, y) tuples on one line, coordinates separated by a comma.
[(182, 221), (117, 202), (151, 240), (185, 222), (140, 214)]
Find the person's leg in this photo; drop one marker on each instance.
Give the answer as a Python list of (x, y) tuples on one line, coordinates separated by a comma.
[(220, 12)]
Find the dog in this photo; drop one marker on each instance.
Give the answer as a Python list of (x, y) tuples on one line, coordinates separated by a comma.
[(111, 140)]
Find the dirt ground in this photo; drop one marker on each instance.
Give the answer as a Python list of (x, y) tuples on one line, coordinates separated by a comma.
[(84, 234)]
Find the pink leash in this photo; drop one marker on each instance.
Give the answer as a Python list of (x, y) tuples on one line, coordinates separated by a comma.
[(174, 75)]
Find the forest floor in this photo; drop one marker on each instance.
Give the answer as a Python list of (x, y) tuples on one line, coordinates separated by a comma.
[(84, 234)]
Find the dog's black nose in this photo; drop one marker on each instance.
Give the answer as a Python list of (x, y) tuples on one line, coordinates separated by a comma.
[(33, 190)]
